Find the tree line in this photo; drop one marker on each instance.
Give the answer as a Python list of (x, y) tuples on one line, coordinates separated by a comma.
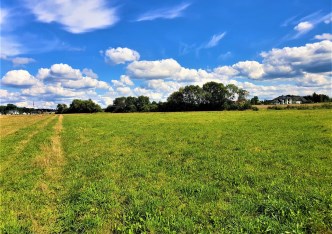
[(211, 96)]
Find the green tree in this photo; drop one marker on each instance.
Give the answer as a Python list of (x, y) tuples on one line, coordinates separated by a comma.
[(61, 108), (83, 106), (215, 95), (143, 104), (131, 104), (175, 101), (193, 97), (119, 104), (254, 100)]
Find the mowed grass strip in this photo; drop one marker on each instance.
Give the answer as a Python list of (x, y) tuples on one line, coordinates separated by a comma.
[(24, 203), (12, 146), (225, 172), (10, 124)]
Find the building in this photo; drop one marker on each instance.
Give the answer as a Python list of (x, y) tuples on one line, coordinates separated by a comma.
[(289, 99), (13, 112)]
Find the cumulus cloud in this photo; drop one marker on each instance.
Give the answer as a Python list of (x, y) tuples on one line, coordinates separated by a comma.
[(226, 71), (18, 78), (310, 80), (70, 77), (287, 62), (121, 55), (163, 86), (164, 13), (124, 91), (315, 58), (124, 81), (85, 83), (88, 72), (250, 69), (76, 16), (324, 36), (58, 72), (159, 69), (9, 97)]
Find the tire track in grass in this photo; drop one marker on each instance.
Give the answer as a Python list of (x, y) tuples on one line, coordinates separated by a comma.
[(51, 160), (21, 145)]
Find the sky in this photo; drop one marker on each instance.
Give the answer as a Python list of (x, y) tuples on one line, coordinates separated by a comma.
[(54, 51)]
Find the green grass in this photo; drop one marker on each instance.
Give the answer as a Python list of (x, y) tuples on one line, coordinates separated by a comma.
[(199, 172)]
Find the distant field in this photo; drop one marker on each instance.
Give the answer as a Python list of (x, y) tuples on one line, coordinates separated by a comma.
[(198, 172)]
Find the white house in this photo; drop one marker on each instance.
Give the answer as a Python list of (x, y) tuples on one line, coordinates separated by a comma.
[(289, 99)]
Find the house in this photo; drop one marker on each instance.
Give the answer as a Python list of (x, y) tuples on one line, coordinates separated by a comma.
[(289, 99), (13, 112)]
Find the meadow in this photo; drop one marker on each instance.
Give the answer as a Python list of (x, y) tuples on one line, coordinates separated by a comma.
[(197, 172)]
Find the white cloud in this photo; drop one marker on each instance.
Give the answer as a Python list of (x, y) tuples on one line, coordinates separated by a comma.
[(124, 91), (304, 27), (123, 82), (9, 97), (250, 69), (76, 16), (314, 58), (121, 55), (126, 80), (324, 36), (159, 69), (17, 78), (88, 72), (226, 71), (215, 40), (71, 78), (162, 86), (58, 72), (22, 61), (85, 83), (164, 13), (310, 80)]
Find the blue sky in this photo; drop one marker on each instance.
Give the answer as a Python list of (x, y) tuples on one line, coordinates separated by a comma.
[(54, 51)]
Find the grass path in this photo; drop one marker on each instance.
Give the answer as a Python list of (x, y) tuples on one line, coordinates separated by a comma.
[(51, 160), (27, 170), (22, 138)]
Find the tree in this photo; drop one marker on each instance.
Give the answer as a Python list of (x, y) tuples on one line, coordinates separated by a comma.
[(143, 104), (175, 101), (11, 107), (254, 100), (131, 104), (119, 104), (61, 108), (83, 106), (193, 97), (214, 95)]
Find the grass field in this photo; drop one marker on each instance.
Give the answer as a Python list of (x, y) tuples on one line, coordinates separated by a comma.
[(199, 172)]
